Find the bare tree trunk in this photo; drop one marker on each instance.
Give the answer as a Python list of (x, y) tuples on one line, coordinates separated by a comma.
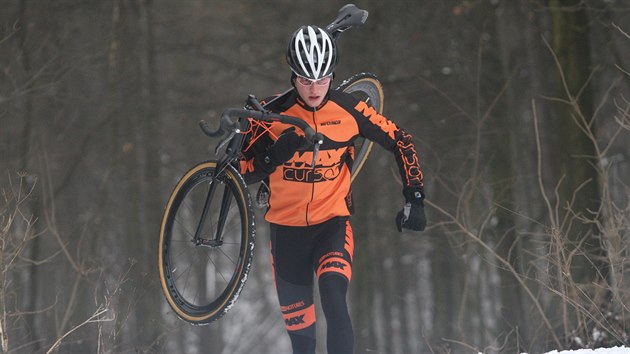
[(33, 277), (109, 338), (150, 206), (574, 153), (509, 166)]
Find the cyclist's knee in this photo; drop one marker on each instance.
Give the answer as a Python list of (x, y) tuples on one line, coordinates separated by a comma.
[(335, 265), (332, 291), (334, 283)]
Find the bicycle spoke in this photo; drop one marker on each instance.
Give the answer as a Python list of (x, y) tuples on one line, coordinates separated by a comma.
[(179, 255), (185, 276), (190, 233), (227, 256), (180, 272), (218, 272)]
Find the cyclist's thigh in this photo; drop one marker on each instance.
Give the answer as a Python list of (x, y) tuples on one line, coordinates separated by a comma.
[(291, 252), (334, 249)]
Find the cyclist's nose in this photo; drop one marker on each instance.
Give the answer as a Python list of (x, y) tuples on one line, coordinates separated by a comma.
[(316, 89)]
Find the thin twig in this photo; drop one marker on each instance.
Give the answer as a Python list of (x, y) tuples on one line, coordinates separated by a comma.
[(92, 319), (620, 30), (503, 261)]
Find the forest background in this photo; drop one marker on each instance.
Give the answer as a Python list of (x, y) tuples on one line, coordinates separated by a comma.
[(520, 111)]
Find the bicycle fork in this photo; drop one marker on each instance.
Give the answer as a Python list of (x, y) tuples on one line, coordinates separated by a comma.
[(234, 141), (226, 200)]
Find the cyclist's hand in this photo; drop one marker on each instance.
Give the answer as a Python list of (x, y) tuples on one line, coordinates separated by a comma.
[(280, 152), (412, 215), (285, 147)]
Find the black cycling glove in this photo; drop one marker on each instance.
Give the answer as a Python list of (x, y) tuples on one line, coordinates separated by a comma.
[(281, 151), (412, 215)]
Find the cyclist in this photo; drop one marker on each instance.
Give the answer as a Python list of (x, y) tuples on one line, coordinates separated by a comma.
[(310, 200)]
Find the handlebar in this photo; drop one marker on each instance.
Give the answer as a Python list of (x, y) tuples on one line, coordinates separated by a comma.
[(229, 123)]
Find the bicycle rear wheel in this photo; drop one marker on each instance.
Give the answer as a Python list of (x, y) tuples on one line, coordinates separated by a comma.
[(202, 279), (367, 88)]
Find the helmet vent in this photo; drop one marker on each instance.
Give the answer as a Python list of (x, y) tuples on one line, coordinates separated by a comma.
[(312, 53)]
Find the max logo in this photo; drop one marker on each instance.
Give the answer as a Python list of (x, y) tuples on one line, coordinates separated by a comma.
[(327, 166), (334, 264), (294, 320)]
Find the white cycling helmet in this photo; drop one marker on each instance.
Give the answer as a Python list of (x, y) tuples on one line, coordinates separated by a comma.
[(312, 53)]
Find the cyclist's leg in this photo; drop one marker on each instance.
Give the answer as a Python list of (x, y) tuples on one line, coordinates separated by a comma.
[(339, 333), (335, 248), (291, 252)]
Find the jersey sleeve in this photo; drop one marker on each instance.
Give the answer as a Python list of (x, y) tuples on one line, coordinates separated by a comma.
[(386, 133)]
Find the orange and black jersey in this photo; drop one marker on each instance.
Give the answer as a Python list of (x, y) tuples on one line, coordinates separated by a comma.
[(302, 194)]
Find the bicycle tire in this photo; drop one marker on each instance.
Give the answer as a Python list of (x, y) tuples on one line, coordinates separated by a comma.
[(202, 282), (366, 87)]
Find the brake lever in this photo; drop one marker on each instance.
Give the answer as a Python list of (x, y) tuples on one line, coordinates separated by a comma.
[(253, 101), (315, 152), (318, 141), (225, 141)]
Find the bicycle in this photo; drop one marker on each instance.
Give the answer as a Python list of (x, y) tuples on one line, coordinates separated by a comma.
[(207, 234)]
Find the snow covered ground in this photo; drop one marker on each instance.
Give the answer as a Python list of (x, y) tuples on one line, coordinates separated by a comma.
[(615, 350)]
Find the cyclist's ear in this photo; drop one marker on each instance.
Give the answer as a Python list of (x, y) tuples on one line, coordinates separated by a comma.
[(293, 77)]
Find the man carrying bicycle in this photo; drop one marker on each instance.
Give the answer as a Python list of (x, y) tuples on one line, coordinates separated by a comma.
[(310, 198)]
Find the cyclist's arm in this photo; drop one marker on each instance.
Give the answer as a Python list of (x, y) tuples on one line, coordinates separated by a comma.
[(252, 169), (386, 133)]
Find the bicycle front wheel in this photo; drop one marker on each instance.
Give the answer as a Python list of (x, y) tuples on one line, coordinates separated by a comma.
[(367, 88), (204, 261)]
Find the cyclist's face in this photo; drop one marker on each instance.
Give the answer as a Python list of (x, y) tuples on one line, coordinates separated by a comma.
[(312, 92)]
